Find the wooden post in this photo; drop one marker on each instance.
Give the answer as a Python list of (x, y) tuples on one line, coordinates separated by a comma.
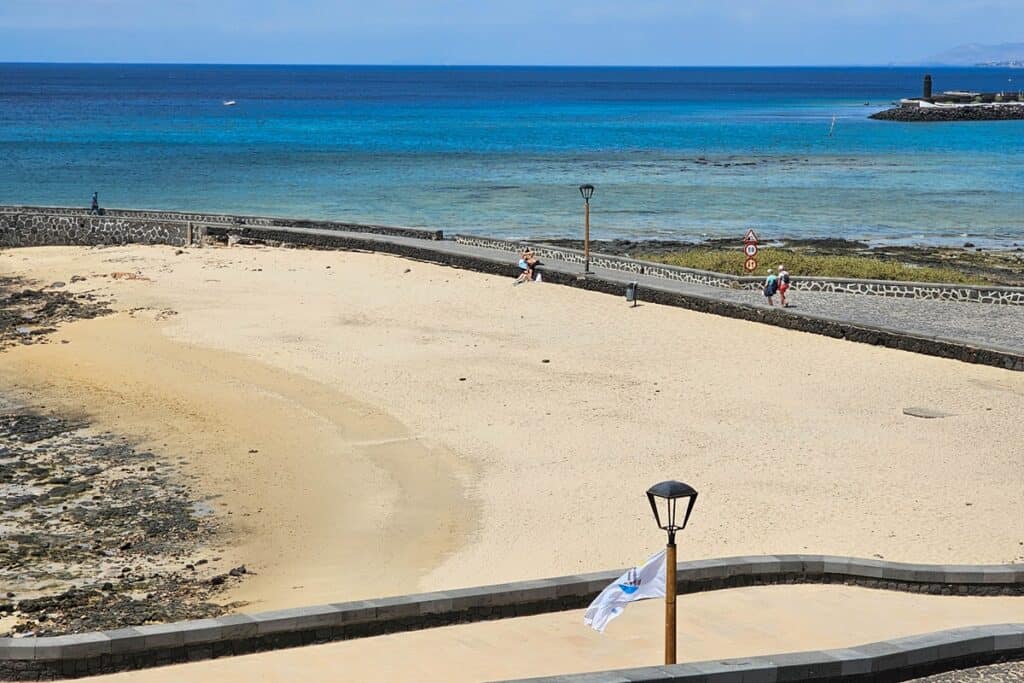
[(670, 602), (586, 237)]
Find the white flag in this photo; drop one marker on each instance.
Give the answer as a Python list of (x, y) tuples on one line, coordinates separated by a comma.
[(639, 583)]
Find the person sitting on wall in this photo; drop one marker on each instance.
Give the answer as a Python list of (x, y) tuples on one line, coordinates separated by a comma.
[(527, 263)]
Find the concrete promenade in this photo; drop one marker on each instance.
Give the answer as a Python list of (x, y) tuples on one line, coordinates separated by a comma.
[(978, 325), (741, 622)]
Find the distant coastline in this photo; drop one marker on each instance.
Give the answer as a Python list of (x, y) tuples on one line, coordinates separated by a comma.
[(1006, 104)]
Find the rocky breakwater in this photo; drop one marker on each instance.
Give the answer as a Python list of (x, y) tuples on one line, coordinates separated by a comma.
[(95, 533), (974, 112)]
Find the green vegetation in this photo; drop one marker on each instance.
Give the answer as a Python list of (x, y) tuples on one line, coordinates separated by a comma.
[(823, 265)]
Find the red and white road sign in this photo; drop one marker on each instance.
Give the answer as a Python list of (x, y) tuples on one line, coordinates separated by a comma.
[(750, 249), (751, 236), (750, 264)]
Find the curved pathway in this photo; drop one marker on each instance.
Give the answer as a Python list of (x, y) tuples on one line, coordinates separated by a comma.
[(739, 622)]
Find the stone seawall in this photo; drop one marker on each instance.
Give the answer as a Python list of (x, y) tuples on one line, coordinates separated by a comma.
[(200, 219), (976, 112), (39, 226), (902, 290), (146, 646), (42, 229)]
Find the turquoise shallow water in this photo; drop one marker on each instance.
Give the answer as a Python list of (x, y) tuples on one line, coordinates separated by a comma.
[(674, 153)]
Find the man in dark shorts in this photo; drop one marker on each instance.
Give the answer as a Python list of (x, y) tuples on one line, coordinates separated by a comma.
[(771, 285)]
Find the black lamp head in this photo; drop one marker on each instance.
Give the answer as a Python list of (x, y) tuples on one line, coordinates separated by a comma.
[(587, 191), (664, 498)]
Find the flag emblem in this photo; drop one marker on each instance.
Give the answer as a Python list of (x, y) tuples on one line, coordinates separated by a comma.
[(632, 584), (639, 583)]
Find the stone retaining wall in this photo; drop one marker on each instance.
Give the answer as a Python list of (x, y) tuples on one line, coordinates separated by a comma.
[(41, 229), (145, 646), (905, 290), (899, 659), (199, 219), (37, 226)]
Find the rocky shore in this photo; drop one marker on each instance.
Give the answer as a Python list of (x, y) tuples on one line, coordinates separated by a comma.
[(95, 533), (29, 312), (987, 112)]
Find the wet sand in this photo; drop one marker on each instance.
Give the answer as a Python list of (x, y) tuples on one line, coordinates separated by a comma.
[(417, 427)]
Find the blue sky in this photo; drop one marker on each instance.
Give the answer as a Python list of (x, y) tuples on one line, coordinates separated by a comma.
[(624, 32)]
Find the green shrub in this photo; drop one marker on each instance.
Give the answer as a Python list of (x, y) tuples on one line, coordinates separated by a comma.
[(821, 265)]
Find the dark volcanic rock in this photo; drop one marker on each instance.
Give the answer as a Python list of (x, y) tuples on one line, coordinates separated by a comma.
[(990, 112), (43, 307), (92, 526)]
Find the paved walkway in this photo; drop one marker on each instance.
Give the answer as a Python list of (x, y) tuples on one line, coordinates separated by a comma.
[(991, 326), (732, 623)]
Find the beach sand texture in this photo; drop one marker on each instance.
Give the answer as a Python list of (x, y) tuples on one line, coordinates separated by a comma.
[(416, 427)]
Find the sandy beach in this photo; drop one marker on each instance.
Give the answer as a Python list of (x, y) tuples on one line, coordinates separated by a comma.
[(366, 425)]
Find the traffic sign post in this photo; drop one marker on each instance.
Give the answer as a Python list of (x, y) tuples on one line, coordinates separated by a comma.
[(750, 250)]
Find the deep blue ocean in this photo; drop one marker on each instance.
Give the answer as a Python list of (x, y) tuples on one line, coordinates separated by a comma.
[(674, 152)]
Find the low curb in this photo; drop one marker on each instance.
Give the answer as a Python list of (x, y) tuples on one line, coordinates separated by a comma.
[(900, 659), (48, 658)]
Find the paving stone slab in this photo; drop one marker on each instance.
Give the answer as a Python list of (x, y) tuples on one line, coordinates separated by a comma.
[(125, 641), (200, 631), (397, 607), (356, 611), (237, 626)]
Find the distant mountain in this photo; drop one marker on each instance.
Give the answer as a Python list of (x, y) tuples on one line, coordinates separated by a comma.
[(1005, 54)]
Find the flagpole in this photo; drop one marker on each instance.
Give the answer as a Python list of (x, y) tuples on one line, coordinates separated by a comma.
[(670, 599)]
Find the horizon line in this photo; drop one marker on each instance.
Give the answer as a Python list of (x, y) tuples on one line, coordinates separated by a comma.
[(864, 65)]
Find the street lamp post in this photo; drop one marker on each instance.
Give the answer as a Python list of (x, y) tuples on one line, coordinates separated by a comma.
[(663, 498), (587, 191)]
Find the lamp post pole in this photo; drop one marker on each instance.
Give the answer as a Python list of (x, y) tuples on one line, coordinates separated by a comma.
[(586, 236), (664, 499), (587, 191), (670, 599)]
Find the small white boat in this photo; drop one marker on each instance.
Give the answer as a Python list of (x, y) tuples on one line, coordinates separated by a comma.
[(229, 103)]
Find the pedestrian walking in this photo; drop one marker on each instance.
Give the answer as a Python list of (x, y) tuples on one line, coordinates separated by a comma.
[(771, 285), (95, 208), (783, 283)]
